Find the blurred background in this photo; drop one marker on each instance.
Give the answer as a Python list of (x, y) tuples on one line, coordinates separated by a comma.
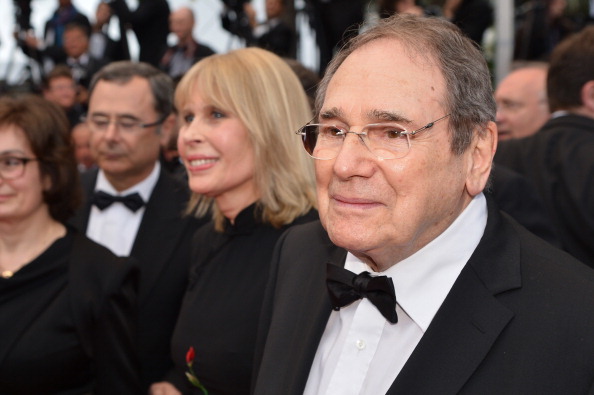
[(18, 71)]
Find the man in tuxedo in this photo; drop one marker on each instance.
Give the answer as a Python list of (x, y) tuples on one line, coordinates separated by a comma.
[(558, 159), (413, 282), (133, 206)]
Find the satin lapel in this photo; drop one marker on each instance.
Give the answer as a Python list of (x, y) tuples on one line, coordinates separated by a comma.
[(300, 313), (160, 230), (470, 319), (311, 323), (80, 220)]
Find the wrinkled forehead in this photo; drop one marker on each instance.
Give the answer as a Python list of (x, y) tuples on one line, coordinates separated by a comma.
[(387, 75)]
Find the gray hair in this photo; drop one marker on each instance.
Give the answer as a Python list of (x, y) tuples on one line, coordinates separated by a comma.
[(469, 93)]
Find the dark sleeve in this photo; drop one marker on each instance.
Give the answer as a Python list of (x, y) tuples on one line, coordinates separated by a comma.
[(113, 340), (267, 307), (510, 153), (178, 380), (278, 40), (473, 18), (142, 15), (515, 195), (104, 295)]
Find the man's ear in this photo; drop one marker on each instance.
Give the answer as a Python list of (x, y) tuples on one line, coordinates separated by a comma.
[(481, 159), (587, 95)]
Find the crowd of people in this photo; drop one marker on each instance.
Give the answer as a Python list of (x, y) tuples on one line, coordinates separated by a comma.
[(235, 223)]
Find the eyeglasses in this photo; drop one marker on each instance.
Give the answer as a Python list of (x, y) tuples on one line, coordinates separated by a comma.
[(125, 124), (12, 167), (385, 140)]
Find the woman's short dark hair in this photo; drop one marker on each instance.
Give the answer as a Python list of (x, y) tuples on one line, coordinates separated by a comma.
[(46, 128)]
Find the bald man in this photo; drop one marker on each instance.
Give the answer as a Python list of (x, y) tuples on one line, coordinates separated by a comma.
[(180, 57), (521, 97)]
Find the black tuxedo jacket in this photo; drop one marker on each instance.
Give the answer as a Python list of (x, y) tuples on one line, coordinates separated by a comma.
[(162, 248), (518, 320), (559, 161)]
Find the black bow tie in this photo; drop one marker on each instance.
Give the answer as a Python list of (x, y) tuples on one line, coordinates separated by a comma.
[(103, 200), (345, 287)]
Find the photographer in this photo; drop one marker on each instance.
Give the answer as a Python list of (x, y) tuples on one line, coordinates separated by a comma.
[(49, 51)]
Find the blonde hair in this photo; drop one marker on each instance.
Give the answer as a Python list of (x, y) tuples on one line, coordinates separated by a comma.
[(266, 95)]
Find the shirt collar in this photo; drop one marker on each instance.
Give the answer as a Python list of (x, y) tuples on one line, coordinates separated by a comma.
[(423, 280), (144, 187), (82, 60), (559, 113)]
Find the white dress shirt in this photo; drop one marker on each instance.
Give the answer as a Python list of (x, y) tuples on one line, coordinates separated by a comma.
[(116, 226), (360, 351)]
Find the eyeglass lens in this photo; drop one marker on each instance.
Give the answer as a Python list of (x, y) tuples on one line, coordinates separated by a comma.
[(387, 141), (11, 167)]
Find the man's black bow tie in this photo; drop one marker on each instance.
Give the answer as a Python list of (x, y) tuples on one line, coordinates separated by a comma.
[(345, 287), (103, 200)]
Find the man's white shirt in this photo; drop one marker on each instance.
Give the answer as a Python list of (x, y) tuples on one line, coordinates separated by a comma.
[(116, 226), (360, 352)]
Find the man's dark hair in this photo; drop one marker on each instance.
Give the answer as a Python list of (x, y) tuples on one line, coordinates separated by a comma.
[(122, 72), (86, 29), (60, 71), (571, 66)]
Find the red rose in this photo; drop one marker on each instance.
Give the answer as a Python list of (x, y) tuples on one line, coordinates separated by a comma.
[(190, 355)]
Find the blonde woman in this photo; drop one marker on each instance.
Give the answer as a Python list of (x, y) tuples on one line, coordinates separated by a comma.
[(238, 114)]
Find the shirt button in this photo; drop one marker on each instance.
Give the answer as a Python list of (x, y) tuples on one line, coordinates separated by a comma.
[(360, 344)]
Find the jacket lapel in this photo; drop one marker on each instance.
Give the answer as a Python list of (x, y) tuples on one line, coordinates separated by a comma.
[(299, 313), (160, 231), (80, 220), (470, 319)]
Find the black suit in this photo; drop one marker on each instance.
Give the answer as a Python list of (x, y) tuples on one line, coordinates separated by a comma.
[(150, 23), (68, 320), (518, 320), (515, 195), (559, 161), (280, 39), (162, 247)]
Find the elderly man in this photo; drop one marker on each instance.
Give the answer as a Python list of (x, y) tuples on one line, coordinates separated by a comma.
[(403, 148), (558, 159), (133, 206), (179, 58), (521, 98)]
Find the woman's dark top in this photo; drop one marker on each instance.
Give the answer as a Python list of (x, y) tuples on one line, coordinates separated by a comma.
[(67, 322), (221, 307)]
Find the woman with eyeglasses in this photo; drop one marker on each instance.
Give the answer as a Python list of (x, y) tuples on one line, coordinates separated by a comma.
[(238, 113), (67, 304)]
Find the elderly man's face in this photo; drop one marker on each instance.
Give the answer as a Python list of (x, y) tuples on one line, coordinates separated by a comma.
[(385, 210)]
